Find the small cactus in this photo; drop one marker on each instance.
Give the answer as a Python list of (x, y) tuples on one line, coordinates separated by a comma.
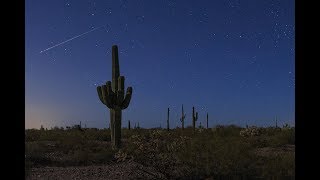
[(207, 120), (168, 120), (129, 126), (183, 116), (194, 118)]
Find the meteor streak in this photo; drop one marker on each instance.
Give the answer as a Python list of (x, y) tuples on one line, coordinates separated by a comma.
[(70, 39)]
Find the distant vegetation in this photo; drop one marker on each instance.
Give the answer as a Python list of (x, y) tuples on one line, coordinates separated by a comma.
[(220, 152)]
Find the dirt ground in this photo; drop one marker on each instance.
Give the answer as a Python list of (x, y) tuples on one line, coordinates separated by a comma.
[(117, 171)]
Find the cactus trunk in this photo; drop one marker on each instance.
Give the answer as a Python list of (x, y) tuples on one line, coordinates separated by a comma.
[(111, 123), (207, 121), (183, 116), (116, 141), (129, 126), (194, 118), (112, 95), (168, 120), (182, 119)]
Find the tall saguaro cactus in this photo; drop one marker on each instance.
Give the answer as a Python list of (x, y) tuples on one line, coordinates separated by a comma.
[(183, 116), (112, 95), (194, 118), (168, 120), (129, 125)]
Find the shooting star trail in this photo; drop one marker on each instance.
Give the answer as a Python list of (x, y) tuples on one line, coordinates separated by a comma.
[(71, 39)]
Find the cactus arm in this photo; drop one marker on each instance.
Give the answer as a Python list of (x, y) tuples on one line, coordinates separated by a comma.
[(107, 98), (127, 98), (196, 116), (111, 94), (99, 90), (109, 90)]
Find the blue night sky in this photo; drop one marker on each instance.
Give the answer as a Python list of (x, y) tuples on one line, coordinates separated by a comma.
[(234, 59)]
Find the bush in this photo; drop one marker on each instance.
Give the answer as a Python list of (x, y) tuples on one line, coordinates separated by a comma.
[(220, 152)]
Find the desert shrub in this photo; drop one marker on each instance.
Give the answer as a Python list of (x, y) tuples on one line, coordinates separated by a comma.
[(126, 133), (280, 166), (32, 135), (283, 137), (98, 135), (71, 142), (251, 131), (81, 157), (227, 131), (35, 152), (156, 148), (257, 141), (271, 131), (217, 156), (219, 152), (102, 157)]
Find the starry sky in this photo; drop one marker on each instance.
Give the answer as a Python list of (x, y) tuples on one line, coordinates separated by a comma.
[(234, 59)]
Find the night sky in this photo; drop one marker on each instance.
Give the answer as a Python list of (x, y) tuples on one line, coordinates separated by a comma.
[(234, 59)]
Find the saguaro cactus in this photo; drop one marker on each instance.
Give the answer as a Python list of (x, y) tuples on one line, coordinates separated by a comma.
[(168, 120), (183, 116), (112, 95), (207, 121), (129, 126), (194, 118)]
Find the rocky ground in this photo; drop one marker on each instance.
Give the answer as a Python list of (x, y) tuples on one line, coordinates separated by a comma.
[(117, 171)]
